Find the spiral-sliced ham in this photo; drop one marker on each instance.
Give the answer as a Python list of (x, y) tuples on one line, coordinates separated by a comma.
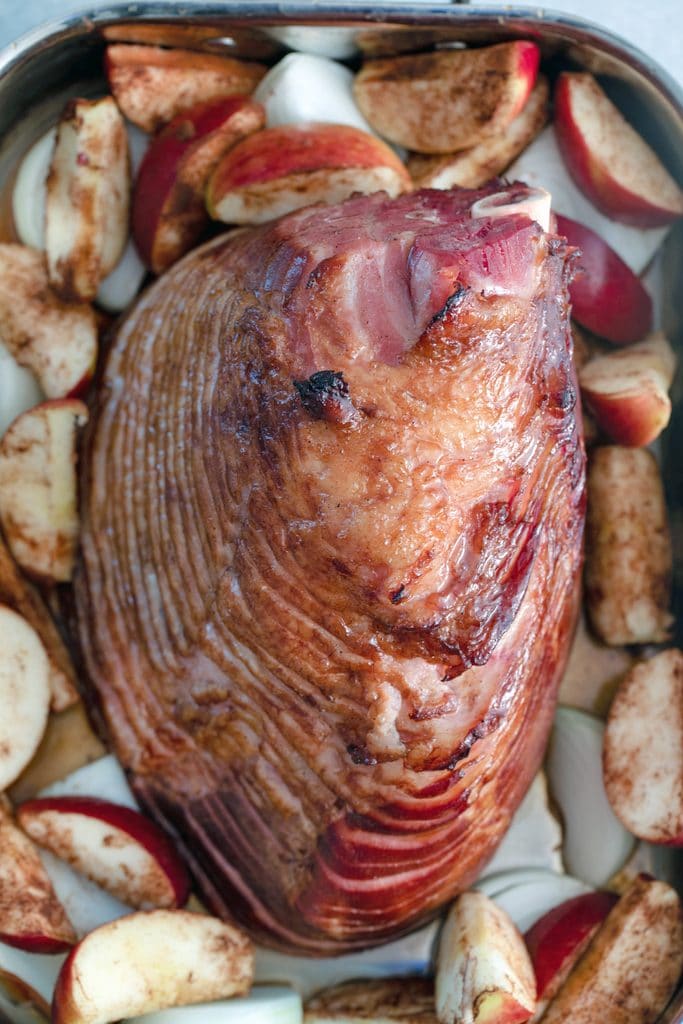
[(332, 520)]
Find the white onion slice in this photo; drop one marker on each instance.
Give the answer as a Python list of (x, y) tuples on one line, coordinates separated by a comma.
[(35, 969), (536, 205), (19, 389), (528, 902), (596, 844), (119, 288), (334, 41), (410, 955), (28, 197), (493, 885), (303, 87), (267, 1004), (534, 838), (104, 778)]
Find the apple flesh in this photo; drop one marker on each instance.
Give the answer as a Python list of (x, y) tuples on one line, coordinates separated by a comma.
[(150, 960), (449, 99), (643, 750), (627, 391), (473, 167), (557, 940), (87, 198), (606, 295), (31, 916), (152, 85), (169, 212), (24, 694), (275, 171), (19, 389), (628, 548), (114, 846), (57, 341), (483, 970), (24, 598), (608, 159), (38, 509), (632, 965)]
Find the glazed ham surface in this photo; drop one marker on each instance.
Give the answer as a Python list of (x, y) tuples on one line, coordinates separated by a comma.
[(332, 520)]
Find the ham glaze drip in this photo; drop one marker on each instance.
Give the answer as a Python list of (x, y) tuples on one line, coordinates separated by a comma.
[(332, 509)]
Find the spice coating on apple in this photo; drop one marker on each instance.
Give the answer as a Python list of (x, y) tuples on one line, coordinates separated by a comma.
[(450, 99), (608, 159), (169, 213), (275, 171), (643, 750), (31, 916), (152, 85), (148, 961), (606, 295), (116, 847)]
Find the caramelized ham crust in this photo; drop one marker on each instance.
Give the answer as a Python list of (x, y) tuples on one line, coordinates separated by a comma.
[(332, 520)]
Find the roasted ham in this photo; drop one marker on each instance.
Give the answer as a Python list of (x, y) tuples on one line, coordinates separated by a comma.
[(332, 516)]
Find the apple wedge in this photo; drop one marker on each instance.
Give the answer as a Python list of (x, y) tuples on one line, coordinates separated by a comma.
[(87, 198), (24, 694), (449, 99), (114, 846), (483, 970), (31, 916), (473, 167), (17, 593), (148, 961), (631, 967), (557, 940), (606, 295), (608, 159), (152, 85), (38, 488), (169, 212), (278, 170), (57, 341), (643, 750), (19, 389), (399, 1000), (628, 547), (627, 391)]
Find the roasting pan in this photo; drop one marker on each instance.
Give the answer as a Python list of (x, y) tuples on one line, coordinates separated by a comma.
[(64, 58)]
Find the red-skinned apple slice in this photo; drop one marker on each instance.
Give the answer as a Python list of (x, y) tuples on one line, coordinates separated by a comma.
[(114, 846), (557, 940), (473, 167), (643, 750), (450, 99), (24, 694), (87, 198), (38, 508), (31, 916), (606, 295), (483, 970), (278, 170), (24, 598), (56, 340), (627, 391), (169, 212), (608, 159), (150, 960), (152, 85), (631, 966)]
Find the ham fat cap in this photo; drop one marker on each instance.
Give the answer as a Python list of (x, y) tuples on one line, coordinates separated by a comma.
[(332, 509)]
